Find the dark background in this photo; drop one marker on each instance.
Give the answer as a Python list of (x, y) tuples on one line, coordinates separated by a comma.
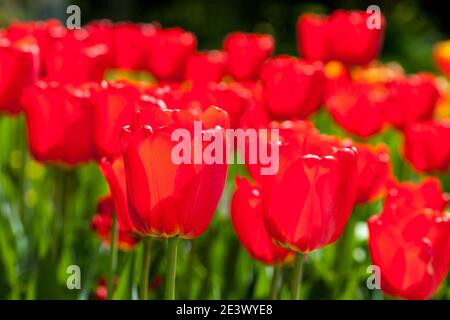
[(413, 26)]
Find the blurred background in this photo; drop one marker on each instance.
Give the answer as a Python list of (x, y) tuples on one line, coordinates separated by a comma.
[(412, 25)]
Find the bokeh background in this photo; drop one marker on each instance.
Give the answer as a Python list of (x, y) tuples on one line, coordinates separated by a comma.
[(413, 25)]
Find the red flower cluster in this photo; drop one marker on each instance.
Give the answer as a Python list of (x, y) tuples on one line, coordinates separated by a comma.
[(343, 36), (55, 76)]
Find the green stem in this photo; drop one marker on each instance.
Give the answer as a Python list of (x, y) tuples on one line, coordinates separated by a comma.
[(145, 269), (276, 281), (171, 268), (64, 181), (112, 256), (297, 276), (343, 258)]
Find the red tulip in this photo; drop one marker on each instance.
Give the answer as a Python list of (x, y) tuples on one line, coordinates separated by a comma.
[(45, 33), (102, 224), (441, 54), (247, 219), (72, 59), (373, 171), (411, 247), (413, 99), (113, 107), (168, 53), (168, 199), (313, 37), (359, 108), (293, 88), (246, 54), (129, 41), (427, 145), (19, 65), (204, 67), (59, 121), (308, 202), (426, 194), (343, 36)]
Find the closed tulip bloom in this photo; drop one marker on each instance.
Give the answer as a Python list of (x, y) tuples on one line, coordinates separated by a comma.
[(359, 108), (308, 202), (129, 43), (293, 88), (353, 42), (427, 145), (313, 37), (168, 53), (413, 99), (101, 223), (169, 198), (73, 60), (426, 194), (246, 54), (247, 219), (19, 66), (441, 54), (113, 108), (59, 122), (411, 247), (204, 67), (45, 32), (344, 36)]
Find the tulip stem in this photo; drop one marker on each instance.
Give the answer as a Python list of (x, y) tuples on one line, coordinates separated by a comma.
[(171, 267), (112, 256), (297, 276), (276, 281), (145, 268)]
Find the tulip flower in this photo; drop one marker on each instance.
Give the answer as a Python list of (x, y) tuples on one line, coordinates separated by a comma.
[(129, 42), (373, 171), (246, 54), (19, 65), (204, 67), (102, 224), (313, 39), (413, 99), (247, 219), (344, 36), (73, 60), (307, 203), (359, 108), (441, 54), (59, 122), (292, 88), (45, 33), (410, 245), (168, 52), (427, 145), (426, 194), (168, 199)]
